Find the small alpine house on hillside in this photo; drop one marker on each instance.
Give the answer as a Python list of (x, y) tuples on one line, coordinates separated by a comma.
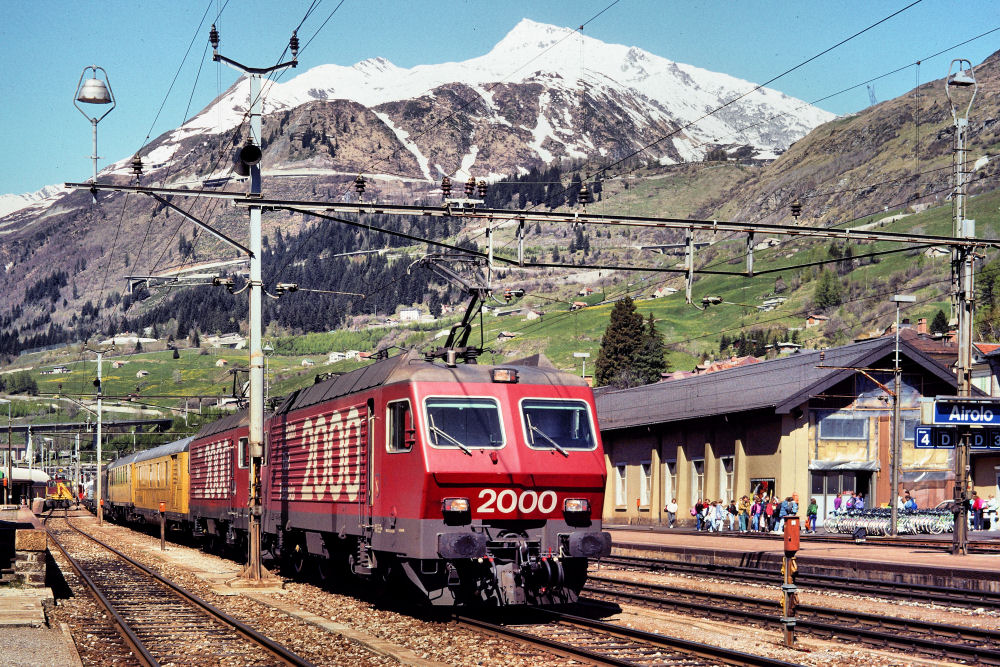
[(815, 423)]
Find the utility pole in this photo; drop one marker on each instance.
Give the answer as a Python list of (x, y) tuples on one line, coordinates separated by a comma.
[(76, 467), (249, 162), (98, 498), (896, 433), (10, 455), (962, 260)]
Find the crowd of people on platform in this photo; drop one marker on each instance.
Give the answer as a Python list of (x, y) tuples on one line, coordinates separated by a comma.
[(766, 514)]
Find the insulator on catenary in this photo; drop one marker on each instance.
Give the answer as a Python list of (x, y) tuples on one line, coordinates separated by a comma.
[(470, 187), (293, 44), (446, 187), (796, 209), (481, 187), (137, 165), (213, 37), (359, 184), (585, 196)]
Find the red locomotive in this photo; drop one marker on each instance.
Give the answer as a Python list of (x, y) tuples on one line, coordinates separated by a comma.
[(476, 484)]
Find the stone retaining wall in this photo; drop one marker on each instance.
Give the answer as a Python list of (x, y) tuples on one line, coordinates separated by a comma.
[(30, 557)]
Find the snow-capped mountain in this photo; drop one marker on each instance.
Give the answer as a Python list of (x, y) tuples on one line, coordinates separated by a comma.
[(11, 203), (541, 94)]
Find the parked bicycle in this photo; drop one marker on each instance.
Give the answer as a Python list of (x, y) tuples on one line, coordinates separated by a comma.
[(877, 521)]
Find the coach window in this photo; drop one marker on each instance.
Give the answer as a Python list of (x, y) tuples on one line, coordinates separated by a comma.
[(244, 447), (400, 433)]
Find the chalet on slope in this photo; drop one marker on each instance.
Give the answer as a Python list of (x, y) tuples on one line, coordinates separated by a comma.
[(804, 423)]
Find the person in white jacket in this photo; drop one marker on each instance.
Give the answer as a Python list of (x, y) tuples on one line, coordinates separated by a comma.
[(671, 510)]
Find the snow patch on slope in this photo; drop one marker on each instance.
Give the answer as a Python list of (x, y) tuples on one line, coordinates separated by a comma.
[(404, 138)]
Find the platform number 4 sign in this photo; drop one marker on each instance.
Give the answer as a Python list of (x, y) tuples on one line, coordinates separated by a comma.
[(928, 437)]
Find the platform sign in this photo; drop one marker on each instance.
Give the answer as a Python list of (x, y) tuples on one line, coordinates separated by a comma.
[(958, 411), (930, 437), (942, 437)]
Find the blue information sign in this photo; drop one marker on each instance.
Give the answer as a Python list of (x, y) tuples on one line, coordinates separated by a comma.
[(950, 411), (939, 437)]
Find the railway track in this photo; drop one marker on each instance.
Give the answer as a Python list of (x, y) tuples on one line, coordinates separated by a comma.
[(597, 642), (942, 595), (159, 621), (934, 640)]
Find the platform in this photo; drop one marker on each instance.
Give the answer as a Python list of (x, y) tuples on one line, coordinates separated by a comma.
[(881, 562)]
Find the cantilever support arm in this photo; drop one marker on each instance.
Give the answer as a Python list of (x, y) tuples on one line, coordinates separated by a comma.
[(217, 234)]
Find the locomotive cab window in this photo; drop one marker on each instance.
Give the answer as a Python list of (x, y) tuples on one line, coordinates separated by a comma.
[(400, 433), (459, 422), (557, 424)]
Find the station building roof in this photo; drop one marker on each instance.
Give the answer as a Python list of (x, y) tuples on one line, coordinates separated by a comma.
[(780, 384)]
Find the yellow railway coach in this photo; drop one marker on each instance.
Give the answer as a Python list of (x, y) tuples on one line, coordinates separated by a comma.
[(139, 483)]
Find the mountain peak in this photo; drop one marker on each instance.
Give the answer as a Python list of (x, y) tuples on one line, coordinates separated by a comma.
[(528, 34)]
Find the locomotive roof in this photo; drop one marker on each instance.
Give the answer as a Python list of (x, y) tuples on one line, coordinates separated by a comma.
[(235, 420), (412, 367), (161, 450)]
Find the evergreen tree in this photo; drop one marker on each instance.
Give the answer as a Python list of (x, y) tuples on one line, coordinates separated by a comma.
[(650, 356), (940, 322), (616, 360), (829, 291)]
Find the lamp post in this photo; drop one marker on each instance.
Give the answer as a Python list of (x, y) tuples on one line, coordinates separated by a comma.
[(47, 447), (962, 285), (896, 436), (94, 91), (584, 356)]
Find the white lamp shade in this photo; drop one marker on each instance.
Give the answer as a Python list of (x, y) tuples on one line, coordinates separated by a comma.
[(94, 91)]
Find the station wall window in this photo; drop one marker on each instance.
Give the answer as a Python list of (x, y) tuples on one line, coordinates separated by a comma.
[(669, 481), (645, 483), (843, 426), (620, 491), (727, 472), (697, 480)]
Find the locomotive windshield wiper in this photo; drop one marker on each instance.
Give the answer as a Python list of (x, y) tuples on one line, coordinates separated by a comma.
[(441, 432), (534, 429)]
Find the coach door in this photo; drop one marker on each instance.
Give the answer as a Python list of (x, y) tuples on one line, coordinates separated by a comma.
[(174, 484), (367, 495), (238, 500)]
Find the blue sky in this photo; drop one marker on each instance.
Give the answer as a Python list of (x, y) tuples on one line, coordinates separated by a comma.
[(141, 43)]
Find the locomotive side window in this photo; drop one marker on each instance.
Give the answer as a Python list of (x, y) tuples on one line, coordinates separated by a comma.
[(557, 424), (244, 452), (399, 430), (464, 423)]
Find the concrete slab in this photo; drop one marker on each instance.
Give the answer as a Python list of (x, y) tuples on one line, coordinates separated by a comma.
[(38, 647), (23, 607)]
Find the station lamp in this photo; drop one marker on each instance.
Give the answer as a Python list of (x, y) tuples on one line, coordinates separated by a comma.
[(94, 90)]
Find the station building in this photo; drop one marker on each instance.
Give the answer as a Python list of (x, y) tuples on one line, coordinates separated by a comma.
[(815, 423)]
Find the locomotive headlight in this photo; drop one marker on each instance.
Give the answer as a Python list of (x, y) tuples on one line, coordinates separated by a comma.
[(575, 505), (504, 375), (455, 505)]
